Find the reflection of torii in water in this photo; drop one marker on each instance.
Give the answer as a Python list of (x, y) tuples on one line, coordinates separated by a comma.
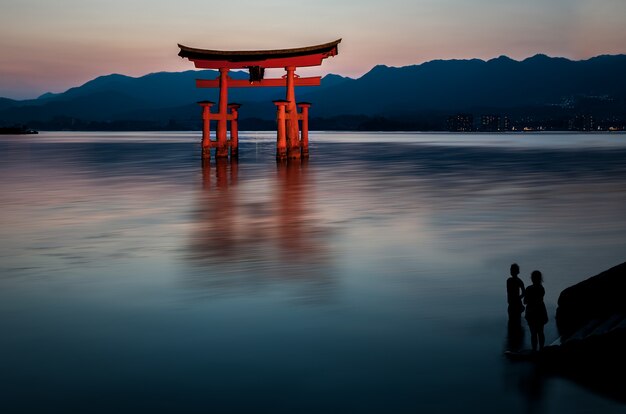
[(276, 236), (289, 142)]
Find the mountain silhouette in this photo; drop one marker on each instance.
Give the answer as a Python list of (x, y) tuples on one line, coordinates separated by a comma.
[(537, 85), (467, 85)]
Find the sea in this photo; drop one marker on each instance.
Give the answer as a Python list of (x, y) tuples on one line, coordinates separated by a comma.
[(368, 278)]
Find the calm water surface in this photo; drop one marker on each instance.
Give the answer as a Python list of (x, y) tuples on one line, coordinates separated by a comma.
[(369, 279)]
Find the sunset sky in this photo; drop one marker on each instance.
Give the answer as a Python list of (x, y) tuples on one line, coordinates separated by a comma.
[(54, 45)]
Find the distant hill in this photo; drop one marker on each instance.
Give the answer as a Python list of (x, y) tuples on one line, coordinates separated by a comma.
[(467, 85), (6, 103), (409, 97)]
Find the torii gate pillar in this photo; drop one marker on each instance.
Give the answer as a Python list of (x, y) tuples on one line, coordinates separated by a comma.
[(289, 143), (221, 150), (293, 132)]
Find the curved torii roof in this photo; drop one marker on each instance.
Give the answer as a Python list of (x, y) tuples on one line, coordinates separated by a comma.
[(277, 58)]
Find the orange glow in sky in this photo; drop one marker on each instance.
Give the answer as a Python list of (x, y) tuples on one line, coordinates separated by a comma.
[(52, 46)]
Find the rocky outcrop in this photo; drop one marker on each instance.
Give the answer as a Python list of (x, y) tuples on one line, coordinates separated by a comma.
[(591, 318), (592, 302)]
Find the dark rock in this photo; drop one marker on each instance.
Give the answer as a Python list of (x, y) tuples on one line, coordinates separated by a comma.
[(591, 319), (17, 130), (597, 298)]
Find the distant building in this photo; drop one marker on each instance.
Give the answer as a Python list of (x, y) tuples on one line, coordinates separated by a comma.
[(582, 123), (610, 123), (461, 123), (529, 123), (495, 123), (506, 124), (490, 123)]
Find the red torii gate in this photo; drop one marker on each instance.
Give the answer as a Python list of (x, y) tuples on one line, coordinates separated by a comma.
[(289, 143)]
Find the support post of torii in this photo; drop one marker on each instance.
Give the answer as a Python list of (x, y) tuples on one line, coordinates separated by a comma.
[(206, 128), (288, 131), (281, 129), (304, 117), (222, 144), (234, 129), (293, 133)]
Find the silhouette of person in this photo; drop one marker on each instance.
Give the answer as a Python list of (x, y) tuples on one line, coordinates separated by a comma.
[(514, 293), (536, 313)]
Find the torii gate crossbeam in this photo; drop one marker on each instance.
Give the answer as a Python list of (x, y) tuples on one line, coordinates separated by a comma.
[(289, 142)]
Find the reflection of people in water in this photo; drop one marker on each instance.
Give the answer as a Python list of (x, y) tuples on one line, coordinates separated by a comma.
[(536, 313), (515, 292)]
